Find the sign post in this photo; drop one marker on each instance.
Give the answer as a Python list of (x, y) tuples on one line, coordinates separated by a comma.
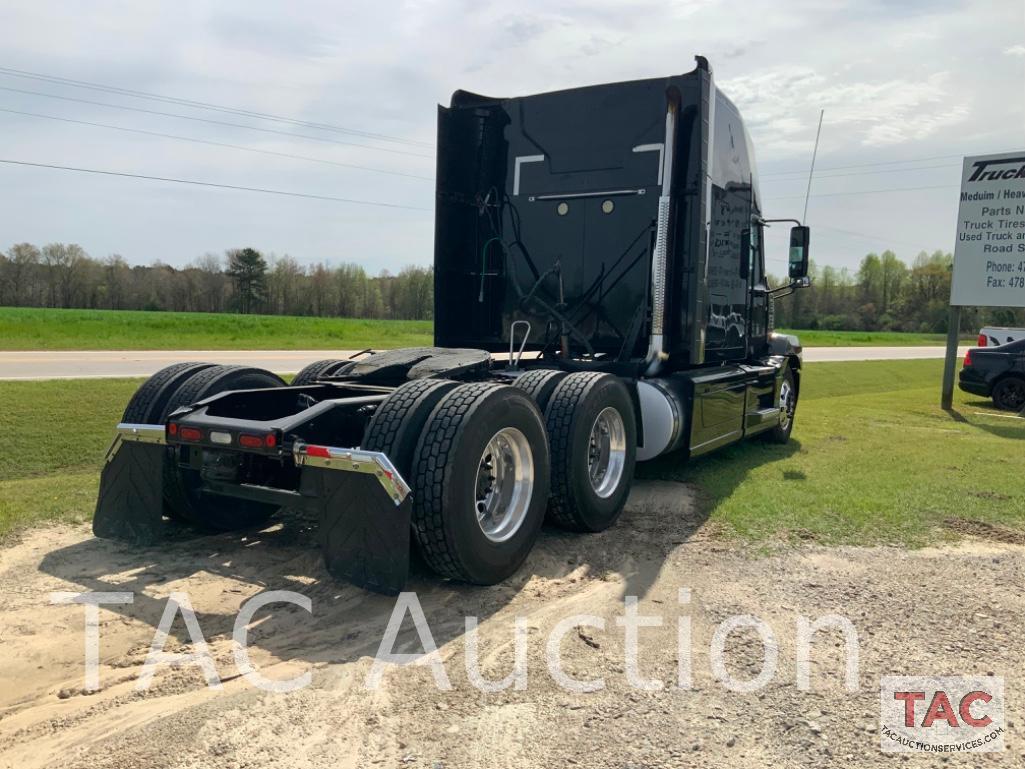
[(989, 255), (950, 358)]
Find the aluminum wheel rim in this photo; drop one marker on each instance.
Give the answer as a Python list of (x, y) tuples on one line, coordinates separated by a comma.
[(786, 404), (606, 452), (505, 484)]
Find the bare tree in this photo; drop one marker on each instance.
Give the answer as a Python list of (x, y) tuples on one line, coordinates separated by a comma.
[(320, 289), (22, 261), (116, 274), (284, 286), (65, 265), (211, 283)]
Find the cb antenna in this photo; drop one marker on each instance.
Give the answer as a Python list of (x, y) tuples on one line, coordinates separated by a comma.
[(811, 171)]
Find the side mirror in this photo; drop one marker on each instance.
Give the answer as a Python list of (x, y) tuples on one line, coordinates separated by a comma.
[(799, 237)]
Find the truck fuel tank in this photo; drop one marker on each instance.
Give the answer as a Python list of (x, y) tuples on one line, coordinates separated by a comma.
[(664, 406)]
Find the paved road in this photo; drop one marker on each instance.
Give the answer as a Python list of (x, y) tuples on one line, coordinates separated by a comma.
[(823, 354), (84, 364), (131, 363)]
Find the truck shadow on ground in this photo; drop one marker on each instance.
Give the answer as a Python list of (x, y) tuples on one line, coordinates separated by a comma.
[(219, 572)]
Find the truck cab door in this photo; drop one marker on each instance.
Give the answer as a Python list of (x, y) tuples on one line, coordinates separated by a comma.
[(728, 276)]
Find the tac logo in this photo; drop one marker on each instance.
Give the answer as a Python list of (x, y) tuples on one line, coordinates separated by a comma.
[(960, 714)]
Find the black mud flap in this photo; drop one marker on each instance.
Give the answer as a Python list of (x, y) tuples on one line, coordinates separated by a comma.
[(130, 502), (364, 532)]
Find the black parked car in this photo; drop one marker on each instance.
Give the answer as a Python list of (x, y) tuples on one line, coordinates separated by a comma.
[(997, 372)]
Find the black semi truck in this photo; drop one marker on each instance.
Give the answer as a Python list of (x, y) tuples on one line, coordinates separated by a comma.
[(610, 240)]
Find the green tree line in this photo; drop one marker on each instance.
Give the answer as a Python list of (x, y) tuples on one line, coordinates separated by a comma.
[(241, 280), (885, 294)]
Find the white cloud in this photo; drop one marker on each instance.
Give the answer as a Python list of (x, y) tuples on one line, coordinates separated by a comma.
[(871, 113), (897, 80)]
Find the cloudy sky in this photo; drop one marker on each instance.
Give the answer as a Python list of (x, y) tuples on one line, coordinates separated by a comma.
[(907, 86)]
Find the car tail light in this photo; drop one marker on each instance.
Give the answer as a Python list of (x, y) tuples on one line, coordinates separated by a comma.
[(982, 340), (172, 429), (190, 433), (968, 359)]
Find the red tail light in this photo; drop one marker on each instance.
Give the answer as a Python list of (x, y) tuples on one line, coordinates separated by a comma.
[(968, 359), (982, 340), (269, 441), (172, 429), (190, 433)]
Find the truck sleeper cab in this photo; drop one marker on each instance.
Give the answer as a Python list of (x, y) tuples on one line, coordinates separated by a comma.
[(609, 239)]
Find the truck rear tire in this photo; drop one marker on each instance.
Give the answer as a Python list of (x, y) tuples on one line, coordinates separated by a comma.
[(219, 379), (183, 495), (147, 405), (539, 384), (320, 369), (480, 482), (788, 409), (592, 427), (396, 426), (1009, 394)]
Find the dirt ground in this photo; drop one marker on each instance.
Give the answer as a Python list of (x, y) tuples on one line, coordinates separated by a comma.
[(944, 611)]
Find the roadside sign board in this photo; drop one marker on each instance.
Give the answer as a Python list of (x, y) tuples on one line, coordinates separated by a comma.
[(989, 255)]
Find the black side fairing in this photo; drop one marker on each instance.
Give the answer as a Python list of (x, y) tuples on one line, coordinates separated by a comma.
[(734, 261)]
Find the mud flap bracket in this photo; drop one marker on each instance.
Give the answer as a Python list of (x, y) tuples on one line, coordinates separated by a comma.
[(364, 507)]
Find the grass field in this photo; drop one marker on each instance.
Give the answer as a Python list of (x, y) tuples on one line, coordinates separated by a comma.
[(873, 459), (24, 328), (55, 434), (27, 328)]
